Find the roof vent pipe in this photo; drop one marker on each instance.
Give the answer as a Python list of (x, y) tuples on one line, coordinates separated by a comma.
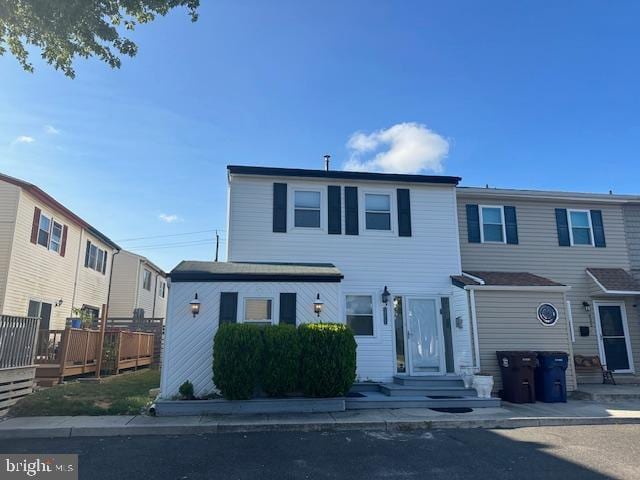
[(327, 158)]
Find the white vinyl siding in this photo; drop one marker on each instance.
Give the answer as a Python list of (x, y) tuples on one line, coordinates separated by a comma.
[(418, 265)]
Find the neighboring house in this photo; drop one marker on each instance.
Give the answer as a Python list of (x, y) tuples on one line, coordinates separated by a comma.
[(566, 250), (345, 239), (139, 288), (51, 260)]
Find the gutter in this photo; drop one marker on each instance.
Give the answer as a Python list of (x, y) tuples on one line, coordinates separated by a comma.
[(532, 288)]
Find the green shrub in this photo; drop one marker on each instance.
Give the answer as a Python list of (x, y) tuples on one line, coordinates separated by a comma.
[(281, 364), (186, 390), (237, 360), (328, 364)]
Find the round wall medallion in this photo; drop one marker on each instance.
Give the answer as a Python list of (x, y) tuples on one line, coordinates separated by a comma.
[(547, 314)]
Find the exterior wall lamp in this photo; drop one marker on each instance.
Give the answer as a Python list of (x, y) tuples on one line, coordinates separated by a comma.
[(385, 301), (587, 307), (195, 306), (317, 306)]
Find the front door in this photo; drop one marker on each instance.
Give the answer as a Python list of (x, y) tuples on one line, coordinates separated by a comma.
[(613, 336), (424, 337)]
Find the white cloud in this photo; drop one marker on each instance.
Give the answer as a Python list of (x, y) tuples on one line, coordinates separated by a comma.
[(402, 148), (172, 218), (24, 139), (51, 130)]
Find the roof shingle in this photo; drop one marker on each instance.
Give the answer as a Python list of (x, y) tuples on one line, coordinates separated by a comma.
[(615, 279)]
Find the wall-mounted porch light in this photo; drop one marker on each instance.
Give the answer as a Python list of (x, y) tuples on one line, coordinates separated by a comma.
[(385, 295), (587, 306), (195, 306), (317, 305)]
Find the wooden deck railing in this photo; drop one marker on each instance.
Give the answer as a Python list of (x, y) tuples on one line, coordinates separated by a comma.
[(18, 336), (72, 351)]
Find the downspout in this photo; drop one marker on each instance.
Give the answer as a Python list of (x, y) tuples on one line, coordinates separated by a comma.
[(113, 257), (155, 295), (135, 300), (75, 282), (571, 334), (474, 323)]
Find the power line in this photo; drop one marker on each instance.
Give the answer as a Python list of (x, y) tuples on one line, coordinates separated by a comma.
[(162, 247), (171, 235), (188, 242)]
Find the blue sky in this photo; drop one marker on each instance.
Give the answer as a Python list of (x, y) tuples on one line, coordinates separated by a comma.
[(513, 94)]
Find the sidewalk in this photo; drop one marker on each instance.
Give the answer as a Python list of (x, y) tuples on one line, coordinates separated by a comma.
[(577, 412)]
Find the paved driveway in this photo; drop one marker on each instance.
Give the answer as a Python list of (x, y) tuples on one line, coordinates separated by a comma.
[(592, 452)]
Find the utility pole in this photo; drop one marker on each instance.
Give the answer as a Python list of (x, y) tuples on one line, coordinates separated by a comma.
[(217, 244)]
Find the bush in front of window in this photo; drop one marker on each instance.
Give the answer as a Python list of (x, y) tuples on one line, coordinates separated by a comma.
[(328, 361), (237, 360), (281, 361)]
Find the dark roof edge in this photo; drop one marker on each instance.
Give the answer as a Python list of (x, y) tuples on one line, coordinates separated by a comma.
[(338, 174), (56, 205), (250, 277)]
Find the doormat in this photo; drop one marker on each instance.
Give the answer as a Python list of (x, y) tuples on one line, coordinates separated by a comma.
[(354, 395), (453, 410)]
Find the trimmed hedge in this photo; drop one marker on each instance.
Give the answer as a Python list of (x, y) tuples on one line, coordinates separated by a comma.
[(237, 360), (320, 358), (328, 359), (281, 361)]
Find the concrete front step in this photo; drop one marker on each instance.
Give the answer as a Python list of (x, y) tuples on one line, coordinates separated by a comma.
[(444, 381), (394, 390), (382, 401)]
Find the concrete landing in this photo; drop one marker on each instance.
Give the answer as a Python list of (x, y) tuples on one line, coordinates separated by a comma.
[(607, 393)]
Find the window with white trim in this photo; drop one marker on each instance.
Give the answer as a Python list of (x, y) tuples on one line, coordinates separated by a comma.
[(95, 258), (258, 311), (162, 289), (580, 227), (377, 207), (56, 237), (44, 229), (359, 309), (146, 280), (306, 208), (492, 222)]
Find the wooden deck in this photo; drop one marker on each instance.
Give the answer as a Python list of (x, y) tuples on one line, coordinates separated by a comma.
[(72, 352)]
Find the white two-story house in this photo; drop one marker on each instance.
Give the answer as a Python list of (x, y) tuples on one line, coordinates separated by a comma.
[(377, 250)]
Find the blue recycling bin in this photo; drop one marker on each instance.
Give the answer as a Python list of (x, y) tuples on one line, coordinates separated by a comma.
[(551, 378)]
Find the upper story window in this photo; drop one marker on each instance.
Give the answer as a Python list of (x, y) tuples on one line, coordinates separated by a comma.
[(377, 211), (307, 209), (56, 237), (162, 289), (95, 258), (360, 314), (44, 230), (492, 223), (258, 311), (580, 227), (146, 280)]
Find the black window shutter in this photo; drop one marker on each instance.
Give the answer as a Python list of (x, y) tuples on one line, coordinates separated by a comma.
[(562, 224), (404, 212), (334, 209), (511, 225), (598, 229), (473, 223), (86, 255), (228, 307), (279, 207), (288, 309), (351, 210)]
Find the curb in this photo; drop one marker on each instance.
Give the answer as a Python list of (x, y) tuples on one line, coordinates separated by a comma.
[(391, 426)]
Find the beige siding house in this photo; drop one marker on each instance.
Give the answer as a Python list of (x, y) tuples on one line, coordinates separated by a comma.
[(573, 240), (51, 261), (139, 288)]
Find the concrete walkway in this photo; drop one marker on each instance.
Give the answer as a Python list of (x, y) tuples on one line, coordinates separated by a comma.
[(577, 412)]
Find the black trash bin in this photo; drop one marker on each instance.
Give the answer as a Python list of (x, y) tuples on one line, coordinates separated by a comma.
[(551, 379), (518, 372)]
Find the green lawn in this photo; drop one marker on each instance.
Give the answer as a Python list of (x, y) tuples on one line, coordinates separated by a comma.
[(121, 395)]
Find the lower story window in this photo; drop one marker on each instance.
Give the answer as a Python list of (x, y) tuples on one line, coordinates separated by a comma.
[(258, 311), (360, 314)]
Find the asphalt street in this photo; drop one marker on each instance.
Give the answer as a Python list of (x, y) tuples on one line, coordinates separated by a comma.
[(590, 452)]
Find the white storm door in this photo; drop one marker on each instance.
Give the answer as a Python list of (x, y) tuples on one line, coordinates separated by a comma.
[(424, 337)]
